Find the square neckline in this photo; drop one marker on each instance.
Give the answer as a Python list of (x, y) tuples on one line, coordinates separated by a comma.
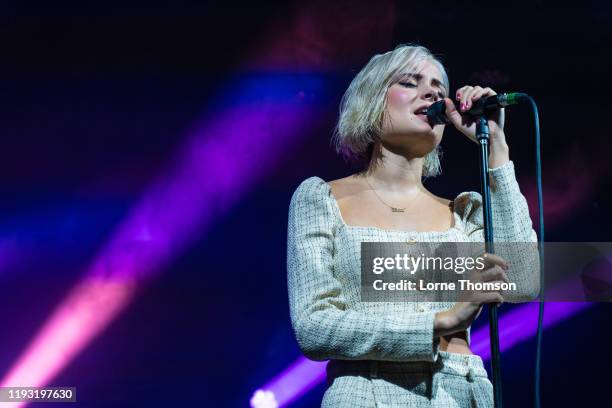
[(343, 223)]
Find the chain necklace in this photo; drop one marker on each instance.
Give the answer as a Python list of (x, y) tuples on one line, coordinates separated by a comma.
[(393, 209)]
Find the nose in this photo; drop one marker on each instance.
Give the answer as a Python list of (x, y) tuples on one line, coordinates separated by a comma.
[(430, 94)]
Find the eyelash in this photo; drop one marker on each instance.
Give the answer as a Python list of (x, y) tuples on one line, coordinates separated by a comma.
[(406, 84)]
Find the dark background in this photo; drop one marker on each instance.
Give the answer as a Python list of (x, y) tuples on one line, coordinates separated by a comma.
[(97, 98)]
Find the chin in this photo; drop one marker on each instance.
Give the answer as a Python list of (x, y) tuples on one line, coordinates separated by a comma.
[(418, 144), (430, 136)]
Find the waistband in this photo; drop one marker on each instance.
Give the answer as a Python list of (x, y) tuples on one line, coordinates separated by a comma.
[(448, 363)]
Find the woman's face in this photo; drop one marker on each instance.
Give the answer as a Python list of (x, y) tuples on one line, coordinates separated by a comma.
[(405, 127)]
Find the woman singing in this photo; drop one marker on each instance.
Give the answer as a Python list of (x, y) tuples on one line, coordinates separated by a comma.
[(393, 354)]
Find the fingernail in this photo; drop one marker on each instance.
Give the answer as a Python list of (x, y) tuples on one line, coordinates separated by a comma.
[(506, 266)]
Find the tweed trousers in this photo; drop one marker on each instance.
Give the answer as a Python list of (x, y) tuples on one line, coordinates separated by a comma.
[(453, 381)]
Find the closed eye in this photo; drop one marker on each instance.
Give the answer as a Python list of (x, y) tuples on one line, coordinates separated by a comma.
[(413, 85)]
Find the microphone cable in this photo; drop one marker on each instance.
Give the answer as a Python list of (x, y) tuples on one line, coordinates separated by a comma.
[(540, 329)]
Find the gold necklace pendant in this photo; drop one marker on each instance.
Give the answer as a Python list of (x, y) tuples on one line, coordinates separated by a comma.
[(393, 209)]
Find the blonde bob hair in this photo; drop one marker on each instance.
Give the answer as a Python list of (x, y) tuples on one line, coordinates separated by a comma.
[(363, 105)]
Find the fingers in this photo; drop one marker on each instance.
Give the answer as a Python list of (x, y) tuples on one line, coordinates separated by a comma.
[(495, 273), (489, 297), (467, 95), (452, 113), (491, 260), (494, 269)]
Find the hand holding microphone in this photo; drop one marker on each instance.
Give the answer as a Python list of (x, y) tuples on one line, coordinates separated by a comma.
[(475, 101)]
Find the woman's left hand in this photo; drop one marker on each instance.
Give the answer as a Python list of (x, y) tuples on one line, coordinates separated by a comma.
[(466, 96)]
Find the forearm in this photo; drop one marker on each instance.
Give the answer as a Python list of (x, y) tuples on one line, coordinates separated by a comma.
[(513, 230), (499, 152), (510, 211), (331, 333)]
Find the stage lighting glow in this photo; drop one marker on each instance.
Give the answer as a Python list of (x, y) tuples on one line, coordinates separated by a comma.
[(261, 120)]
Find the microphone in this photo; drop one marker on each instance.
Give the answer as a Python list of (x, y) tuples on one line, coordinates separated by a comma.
[(436, 113)]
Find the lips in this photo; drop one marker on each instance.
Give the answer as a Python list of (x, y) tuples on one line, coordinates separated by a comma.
[(422, 116), (421, 113)]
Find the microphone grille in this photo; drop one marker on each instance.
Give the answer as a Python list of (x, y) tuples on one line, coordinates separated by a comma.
[(436, 113)]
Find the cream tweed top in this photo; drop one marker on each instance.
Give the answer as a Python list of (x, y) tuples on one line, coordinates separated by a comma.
[(324, 272)]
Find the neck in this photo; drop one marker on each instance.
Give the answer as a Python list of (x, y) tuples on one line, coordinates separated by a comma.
[(396, 172)]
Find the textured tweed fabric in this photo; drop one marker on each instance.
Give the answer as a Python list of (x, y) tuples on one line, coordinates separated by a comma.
[(384, 354), (454, 380)]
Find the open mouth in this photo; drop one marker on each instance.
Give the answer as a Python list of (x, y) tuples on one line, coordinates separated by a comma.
[(422, 114)]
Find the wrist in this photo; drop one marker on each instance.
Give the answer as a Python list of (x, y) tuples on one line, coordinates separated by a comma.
[(445, 323), (499, 152)]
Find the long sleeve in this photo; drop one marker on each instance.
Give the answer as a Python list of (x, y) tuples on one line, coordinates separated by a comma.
[(325, 326), (512, 228)]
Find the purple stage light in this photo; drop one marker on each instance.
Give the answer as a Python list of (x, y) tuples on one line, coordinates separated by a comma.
[(520, 324), (295, 381), (222, 161)]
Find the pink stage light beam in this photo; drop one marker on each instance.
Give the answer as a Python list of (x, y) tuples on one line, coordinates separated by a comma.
[(223, 160)]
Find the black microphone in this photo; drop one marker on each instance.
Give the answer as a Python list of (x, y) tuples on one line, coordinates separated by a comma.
[(436, 113)]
